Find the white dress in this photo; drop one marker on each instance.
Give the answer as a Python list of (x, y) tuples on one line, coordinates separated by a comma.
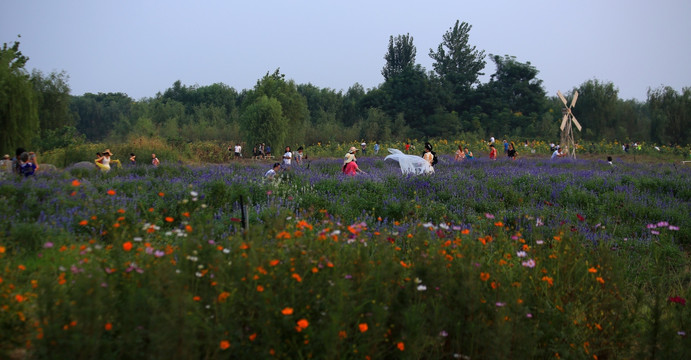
[(410, 164)]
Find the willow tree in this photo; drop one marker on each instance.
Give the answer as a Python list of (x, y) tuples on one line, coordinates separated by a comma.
[(18, 102), (263, 122)]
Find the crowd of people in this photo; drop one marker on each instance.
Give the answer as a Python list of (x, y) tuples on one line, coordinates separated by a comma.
[(24, 163)]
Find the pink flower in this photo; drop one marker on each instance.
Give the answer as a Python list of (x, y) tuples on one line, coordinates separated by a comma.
[(654, 232), (662, 224), (489, 216), (675, 228), (530, 263)]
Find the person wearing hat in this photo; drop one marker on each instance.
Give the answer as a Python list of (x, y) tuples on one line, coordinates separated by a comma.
[(350, 166), (6, 163)]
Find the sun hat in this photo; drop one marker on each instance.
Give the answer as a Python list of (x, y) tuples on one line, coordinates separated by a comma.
[(107, 151), (348, 158), (352, 150)]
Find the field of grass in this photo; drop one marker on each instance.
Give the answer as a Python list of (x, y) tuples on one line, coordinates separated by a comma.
[(573, 259)]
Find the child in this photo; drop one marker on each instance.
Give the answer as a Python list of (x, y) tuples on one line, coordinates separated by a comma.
[(26, 167), (154, 160), (298, 156)]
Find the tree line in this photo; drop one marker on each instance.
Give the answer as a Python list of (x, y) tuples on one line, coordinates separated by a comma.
[(448, 101)]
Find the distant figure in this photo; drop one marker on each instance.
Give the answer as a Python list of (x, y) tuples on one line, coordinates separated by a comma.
[(267, 151), (299, 155), (16, 162), (26, 167), (491, 140), (238, 150), (32, 159), (6, 163), (103, 162), (350, 166), (376, 148), (512, 151), (363, 146), (262, 151), (460, 154), (133, 159), (271, 174), (407, 147), (557, 153), (154, 160), (287, 157), (506, 147), (492, 152), (468, 153), (609, 160)]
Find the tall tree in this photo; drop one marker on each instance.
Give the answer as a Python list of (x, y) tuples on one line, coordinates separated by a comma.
[(596, 110), (53, 99), (399, 57), (293, 104), (263, 121), (458, 64), (18, 102), (670, 113)]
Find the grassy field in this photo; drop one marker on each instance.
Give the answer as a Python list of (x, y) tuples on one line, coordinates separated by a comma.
[(503, 259)]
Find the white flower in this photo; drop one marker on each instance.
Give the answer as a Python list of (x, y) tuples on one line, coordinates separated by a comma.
[(226, 251), (521, 254), (539, 242), (421, 287), (194, 193), (137, 238), (444, 226)]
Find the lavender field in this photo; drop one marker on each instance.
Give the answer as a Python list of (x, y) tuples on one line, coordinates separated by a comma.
[(483, 259)]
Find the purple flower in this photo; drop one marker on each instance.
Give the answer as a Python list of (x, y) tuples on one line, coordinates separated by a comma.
[(529, 315), (48, 245), (654, 232), (489, 216), (662, 224), (500, 304), (348, 276), (675, 228), (651, 226), (159, 253), (443, 333)]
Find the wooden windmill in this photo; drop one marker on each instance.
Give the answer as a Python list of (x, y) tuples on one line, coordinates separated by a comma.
[(567, 125)]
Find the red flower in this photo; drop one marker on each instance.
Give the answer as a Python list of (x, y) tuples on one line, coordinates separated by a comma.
[(580, 217), (678, 300)]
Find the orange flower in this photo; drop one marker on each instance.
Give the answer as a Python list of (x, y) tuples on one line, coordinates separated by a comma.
[(108, 327), (484, 276), (363, 327), (274, 262), (223, 296), (592, 270), (83, 223), (283, 235), (2, 249), (161, 194), (549, 280), (21, 267), (19, 298), (404, 264), (111, 192), (260, 288), (186, 214), (287, 311), (303, 323), (169, 219), (342, 334), (465, 231), (499, 224), (253, 336), (76, 183), (121, 211), (225, 344), (400, 346), (127, 246), (296, 277), (197, 298), (600, 279), (244, 246)]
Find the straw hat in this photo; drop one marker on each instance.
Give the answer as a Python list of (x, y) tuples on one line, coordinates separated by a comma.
[(348, 158), (352, 150), (107, 151)]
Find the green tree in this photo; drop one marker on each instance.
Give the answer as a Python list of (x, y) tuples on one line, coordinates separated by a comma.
[(293, 104), (53, 99), (263, 121), (670, 114), (596, 110), (399, 57), (98, 115), (458, 65), (18, 101)]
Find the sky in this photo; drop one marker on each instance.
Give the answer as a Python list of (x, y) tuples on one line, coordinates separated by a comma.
[(141, 47)]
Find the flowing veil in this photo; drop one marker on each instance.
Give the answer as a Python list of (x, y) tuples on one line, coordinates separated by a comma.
[(410, 164)]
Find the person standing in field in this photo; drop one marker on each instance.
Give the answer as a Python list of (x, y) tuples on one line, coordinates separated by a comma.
[(287, 157), (154, 160), (506, 147), (376, 148), (299, 155), (407, 147), (238, 151), (492, 152), (512, 151)]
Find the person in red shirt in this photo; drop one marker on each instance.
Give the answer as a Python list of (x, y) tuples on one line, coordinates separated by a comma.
[(492, 152)]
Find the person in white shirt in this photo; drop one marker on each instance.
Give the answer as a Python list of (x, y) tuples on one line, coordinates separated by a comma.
[(287, 157), (238, 151), (271, 174)]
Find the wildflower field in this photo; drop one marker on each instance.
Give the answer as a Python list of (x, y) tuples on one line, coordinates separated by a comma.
[(573, 259)]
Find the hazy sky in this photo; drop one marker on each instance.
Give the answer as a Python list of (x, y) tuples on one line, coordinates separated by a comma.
[(140, 47)]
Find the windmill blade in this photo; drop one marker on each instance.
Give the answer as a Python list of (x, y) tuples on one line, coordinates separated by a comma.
[(575, 96), (563, 122), (575, 122), (563, 99)]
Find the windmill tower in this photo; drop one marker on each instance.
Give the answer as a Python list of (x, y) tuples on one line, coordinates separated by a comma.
[(567, 125)]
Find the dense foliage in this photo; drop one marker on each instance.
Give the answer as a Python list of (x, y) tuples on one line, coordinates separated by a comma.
[(483, 259)]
